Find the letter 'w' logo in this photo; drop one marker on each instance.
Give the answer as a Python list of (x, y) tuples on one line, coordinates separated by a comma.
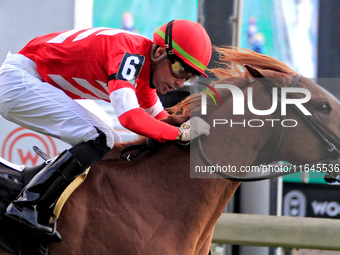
[(204, 97), (29, 156)]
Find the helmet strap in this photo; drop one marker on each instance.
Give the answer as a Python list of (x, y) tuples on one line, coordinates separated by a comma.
[(168, 41)]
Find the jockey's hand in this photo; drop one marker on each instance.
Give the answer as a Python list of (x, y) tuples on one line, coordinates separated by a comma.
[(193, 128)]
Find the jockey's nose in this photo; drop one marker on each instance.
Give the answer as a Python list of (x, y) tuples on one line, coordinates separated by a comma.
[(180, 83)]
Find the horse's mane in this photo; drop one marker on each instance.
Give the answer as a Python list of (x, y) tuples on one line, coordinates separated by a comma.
[(233, 62)]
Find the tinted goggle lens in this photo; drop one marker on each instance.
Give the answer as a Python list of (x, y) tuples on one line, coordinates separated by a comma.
[(179, 71)]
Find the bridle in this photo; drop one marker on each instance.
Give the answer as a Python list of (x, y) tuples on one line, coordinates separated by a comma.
[(282, 133), (332, 144)]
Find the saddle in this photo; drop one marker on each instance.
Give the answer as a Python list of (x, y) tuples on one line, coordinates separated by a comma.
[(13, 178)]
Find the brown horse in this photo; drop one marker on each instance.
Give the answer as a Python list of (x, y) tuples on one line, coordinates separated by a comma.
[(150, 205)]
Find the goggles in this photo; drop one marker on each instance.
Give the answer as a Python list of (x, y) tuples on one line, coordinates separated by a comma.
[(179, 70)]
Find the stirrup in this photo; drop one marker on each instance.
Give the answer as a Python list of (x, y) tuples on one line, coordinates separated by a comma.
[(54, 235)]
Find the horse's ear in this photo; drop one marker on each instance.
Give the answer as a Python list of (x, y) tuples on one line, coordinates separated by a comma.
[(254, 72), (270, 76), (258, 73)]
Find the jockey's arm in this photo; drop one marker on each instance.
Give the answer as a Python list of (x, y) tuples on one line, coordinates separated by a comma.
[(146, 122), (138, 121), (134, 118)]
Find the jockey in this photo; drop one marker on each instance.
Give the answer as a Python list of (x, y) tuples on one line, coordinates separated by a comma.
[(39, 83)]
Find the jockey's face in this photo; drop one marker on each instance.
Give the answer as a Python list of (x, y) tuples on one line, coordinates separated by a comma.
[(162, 77)]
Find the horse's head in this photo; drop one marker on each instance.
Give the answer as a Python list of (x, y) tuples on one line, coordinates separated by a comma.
[(311, 136), (314, 136)]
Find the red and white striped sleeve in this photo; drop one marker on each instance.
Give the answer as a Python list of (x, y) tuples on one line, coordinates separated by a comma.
[(134, 118)]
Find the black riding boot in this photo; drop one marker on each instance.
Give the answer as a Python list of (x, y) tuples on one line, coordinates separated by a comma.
[(43, 191)]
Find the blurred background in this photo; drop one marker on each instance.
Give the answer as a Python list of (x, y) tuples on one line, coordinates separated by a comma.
[(302, 33)]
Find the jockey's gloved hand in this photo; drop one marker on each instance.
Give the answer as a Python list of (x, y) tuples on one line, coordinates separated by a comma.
[(193, 128)]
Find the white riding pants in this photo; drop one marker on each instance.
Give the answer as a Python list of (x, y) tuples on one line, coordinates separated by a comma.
[(28, 101)]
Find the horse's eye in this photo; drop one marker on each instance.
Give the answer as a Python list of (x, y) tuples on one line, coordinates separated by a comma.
[(324, 108)]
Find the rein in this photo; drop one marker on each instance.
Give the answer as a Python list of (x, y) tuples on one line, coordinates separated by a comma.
[(148, 145), (282, 133)]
